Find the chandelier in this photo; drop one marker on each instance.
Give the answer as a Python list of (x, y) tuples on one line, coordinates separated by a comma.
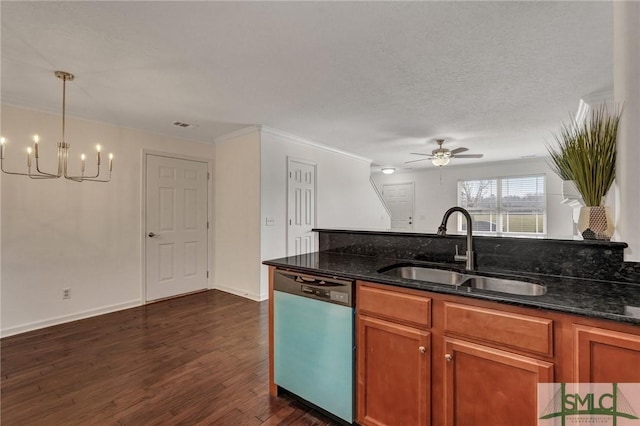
[(33, 155)]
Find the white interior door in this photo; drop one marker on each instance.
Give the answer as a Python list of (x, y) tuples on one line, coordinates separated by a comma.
[(176, 226), (301, 200), (399, 199)]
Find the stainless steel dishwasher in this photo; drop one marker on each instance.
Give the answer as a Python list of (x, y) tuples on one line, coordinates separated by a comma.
[(314, 340)]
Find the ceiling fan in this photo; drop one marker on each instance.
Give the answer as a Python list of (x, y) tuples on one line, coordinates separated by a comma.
[(441, 156)]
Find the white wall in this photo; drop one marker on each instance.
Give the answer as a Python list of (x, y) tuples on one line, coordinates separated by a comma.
[(626, 69), (237, 214), (345, 196), (436, 191), (60, 234)]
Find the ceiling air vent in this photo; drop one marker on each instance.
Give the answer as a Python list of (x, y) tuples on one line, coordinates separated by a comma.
[(181, 124)]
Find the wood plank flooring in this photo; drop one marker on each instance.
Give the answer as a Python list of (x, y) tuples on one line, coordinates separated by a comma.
[(201, 359)]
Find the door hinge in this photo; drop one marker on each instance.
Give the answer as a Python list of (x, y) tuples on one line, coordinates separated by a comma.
[(207, 224), (289, 222), (208, 175), (207, 274), (290, 175)]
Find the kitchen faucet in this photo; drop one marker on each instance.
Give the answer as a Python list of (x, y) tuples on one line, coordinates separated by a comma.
[(442, 231)]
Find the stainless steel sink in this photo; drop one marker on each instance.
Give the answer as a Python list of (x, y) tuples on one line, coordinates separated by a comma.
[(420, 273), (523, 288), (459, 279)]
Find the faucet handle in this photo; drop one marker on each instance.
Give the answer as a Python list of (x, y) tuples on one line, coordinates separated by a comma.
[(459, 257)]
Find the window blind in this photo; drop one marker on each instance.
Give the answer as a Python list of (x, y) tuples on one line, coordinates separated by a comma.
[(504, 205)]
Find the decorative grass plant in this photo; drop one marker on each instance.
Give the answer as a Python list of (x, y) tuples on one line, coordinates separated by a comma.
[(586, 154)]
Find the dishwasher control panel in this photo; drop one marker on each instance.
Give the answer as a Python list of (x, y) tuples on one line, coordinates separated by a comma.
[(335, 295), (331, 290)]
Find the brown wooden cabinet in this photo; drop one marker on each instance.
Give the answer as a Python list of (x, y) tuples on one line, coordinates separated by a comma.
[(484, 385), (432, 359), (425, 358), (493, 363), (393, 373), (393, 357), (606, 356)]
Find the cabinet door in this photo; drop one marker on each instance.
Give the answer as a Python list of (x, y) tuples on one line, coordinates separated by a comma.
[(605, 356), (486, 386), (393, 374)]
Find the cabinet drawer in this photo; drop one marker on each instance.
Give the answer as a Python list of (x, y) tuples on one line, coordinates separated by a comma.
[(517, 331), (397, 305)]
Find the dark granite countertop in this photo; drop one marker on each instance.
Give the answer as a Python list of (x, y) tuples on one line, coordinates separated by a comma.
[(496, 239), (610, 300)]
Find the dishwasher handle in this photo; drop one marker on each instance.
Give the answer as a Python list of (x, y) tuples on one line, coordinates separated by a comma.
[(306, 289)]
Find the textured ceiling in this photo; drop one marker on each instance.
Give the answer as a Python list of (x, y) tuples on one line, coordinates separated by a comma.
[(379, 79)]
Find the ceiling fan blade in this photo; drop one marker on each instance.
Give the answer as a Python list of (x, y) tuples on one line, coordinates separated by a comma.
[(458, 150), (468, 156), (419, 153), (413, 161)]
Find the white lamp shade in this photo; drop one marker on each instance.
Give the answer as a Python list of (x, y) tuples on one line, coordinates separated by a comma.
[(440, 161)]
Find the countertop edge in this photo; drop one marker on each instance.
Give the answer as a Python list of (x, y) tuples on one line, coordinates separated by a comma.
[(513, 300), (598, 243)]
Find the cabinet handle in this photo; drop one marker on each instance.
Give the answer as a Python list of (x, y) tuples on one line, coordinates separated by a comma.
[(422, 349), (448, 357)]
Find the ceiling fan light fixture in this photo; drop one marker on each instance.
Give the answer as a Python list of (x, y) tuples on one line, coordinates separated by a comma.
[(440, 161), (388, 170), (442, 156)]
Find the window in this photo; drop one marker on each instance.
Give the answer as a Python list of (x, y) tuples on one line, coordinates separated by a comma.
[(514, 205)]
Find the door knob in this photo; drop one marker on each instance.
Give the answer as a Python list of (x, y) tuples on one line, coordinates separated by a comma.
[(422, 349), (448, 357), (151, 234)]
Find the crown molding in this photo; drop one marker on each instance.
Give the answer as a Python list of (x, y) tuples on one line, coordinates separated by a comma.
[(297, 139), (237, 134), (288, 137)]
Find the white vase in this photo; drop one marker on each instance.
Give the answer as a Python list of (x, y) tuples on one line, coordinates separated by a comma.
[(596, 223)]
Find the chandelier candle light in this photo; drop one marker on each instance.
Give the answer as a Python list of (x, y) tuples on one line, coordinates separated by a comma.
[(63, 152)]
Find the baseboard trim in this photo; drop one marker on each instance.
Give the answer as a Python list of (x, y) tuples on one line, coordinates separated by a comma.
[(252, 296), (11, 331)]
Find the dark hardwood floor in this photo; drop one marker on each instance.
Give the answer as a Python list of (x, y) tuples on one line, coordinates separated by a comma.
[(199, 359)]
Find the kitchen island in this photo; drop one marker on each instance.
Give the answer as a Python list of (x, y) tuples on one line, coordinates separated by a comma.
[(439, 354)]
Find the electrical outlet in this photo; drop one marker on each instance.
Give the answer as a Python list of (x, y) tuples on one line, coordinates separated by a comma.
[(66, 293)]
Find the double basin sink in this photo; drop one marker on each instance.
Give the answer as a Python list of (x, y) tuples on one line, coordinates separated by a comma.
[(465, 280)]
